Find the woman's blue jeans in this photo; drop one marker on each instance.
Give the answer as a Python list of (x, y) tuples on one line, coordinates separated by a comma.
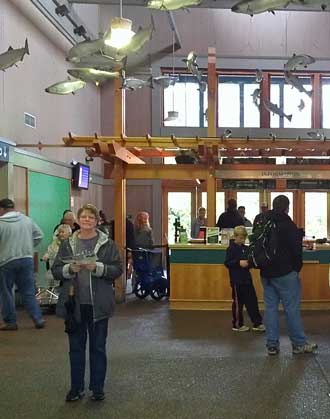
[(287, 290), (97, 332)]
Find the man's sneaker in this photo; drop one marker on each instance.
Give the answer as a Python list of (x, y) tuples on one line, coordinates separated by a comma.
[(273, 350), (74, 395), (9, 327), (40, 325), (260, 328), (241, 329), (97, 396), (307, 348)]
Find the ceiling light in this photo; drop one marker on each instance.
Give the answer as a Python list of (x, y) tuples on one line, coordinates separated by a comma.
[(121, 31), (172, 116)]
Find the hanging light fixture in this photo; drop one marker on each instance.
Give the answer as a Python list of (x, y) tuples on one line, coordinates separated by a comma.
[(121, 31), (172, 115)]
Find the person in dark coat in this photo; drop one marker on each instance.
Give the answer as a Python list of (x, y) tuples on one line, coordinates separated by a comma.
[(230, 218), (243, 291), (88, 264), (281, 282), (260, 218)]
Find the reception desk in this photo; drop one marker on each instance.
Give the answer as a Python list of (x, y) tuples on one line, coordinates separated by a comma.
[(200, 281)]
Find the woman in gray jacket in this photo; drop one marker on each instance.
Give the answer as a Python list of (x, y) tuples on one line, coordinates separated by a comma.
[(87, 263)]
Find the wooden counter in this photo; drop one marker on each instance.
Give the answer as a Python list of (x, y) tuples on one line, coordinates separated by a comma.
[(200, 281)]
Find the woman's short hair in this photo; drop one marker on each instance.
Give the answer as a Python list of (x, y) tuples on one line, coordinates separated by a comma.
[(88, 207), (240, 231), (64, 227)]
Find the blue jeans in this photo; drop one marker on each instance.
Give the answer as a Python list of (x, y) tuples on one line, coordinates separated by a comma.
[(287, 290), (97, 332), (19, 272)]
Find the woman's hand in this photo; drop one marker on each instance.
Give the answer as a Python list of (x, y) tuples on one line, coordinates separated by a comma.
[(90, 267), (243, 263), (74, 267)]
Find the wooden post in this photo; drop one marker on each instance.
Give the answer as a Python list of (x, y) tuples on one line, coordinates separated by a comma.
[(317, 101), (211, 189), (120, 190), (265, 95), (212, 84)]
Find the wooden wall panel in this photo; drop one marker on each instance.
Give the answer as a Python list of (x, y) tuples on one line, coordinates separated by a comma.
[(93, 195), (20, 189), (139, 198)]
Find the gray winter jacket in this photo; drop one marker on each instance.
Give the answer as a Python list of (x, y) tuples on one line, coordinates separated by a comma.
[(108, 268), (18, 236)]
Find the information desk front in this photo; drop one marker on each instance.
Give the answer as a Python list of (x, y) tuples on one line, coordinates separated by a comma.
[(200, 281)]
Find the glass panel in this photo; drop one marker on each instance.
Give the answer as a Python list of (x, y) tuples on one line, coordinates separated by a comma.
[(220, 202), (289, 98), (250, 200), (179, 205), (316, 214), (273, 195), (251, 111), (184, 97), (326, 102), (228, 105)]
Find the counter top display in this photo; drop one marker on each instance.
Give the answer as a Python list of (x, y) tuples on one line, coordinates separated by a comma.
[(200, 281)]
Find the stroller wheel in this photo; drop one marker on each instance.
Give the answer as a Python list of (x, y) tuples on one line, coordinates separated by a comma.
[(157, 294), (139, 291)]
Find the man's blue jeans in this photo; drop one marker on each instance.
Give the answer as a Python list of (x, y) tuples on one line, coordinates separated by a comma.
[(287, 290), (19, 272), (97, 332)]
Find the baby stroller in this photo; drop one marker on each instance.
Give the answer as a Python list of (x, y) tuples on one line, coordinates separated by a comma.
[(47, 293), (149, 274)]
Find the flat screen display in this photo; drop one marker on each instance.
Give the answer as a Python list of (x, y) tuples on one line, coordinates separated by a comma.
[(80, 176)]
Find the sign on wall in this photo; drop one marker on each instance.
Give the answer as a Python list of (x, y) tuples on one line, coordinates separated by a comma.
[(4, 152)]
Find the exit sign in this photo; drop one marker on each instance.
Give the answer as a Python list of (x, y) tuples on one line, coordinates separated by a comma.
[(4, 152)]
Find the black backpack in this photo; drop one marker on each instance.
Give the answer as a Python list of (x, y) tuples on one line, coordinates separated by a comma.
[(263, 248)]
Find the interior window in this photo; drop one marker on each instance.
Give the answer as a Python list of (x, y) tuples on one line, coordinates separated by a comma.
[(179, 206), (316, 214)]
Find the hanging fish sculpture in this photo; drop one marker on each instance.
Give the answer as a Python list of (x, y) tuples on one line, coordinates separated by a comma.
[(301, 105), (296, 61), (88, 48), (91, 75), (255, 96), (274, 109), (296, 83), (172, 4), (132, 83), (142, 36), (323, 4), (65, 87), (191, 63), (259, 76), (12, 56), (253, 7), (165, 81)]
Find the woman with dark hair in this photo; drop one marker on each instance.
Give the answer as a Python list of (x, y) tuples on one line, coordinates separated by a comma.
[(88, 264)]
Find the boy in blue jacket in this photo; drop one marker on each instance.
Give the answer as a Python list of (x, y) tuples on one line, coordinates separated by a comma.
[(243, 291)]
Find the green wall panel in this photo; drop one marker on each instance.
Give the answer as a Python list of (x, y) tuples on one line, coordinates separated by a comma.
[(48, 197)]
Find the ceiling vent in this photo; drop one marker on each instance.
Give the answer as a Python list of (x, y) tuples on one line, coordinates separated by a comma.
[(30, 120)]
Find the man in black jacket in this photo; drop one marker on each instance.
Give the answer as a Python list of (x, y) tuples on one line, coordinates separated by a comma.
[(231, 217), (281, 282)]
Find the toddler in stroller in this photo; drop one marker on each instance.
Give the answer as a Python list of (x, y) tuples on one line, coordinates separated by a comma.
[(47, 294), (149, 278)]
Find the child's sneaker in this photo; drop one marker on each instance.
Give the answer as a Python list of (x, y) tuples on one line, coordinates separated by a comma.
[(259, 328), (241, 329), (273, 350), (307, 348)]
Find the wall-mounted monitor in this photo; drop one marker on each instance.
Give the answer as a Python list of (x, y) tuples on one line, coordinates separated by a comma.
[(80, 176)]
